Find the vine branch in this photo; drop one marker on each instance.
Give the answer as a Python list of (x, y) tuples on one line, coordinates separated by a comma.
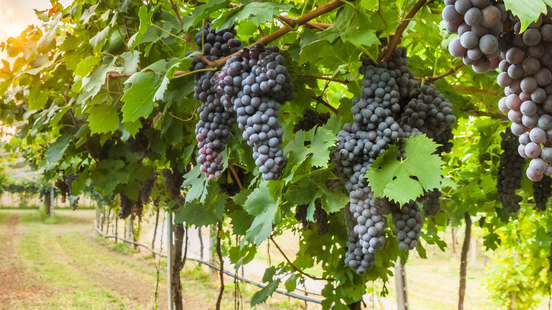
[(488, 114), (440, 76), (402, 26), (295, 267), (219, 299), (324, 78), (235, 174), (475, 90), (319, 99)]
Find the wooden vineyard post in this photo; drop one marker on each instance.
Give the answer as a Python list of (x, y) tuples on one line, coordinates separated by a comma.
[(169, 260), (52, 202), (400, 285)]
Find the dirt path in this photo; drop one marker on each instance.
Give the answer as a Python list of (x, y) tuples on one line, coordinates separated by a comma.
[(15, 285)]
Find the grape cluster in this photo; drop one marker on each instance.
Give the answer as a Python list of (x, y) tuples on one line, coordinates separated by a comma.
[(321, 219), (542, 191), (254, 84), (432, 206), (146, 189), (126, 206), (213, 128), (478, 24), (311, 119), (510, 172), (408, 224), (68, 181), (392, 107), (301, 215), (173, 182), (526, 76), (139, 144), (214, 45), (63, 188), (444, 139), (429, 113)]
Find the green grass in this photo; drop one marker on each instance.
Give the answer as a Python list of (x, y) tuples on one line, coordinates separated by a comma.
[(72, 290)]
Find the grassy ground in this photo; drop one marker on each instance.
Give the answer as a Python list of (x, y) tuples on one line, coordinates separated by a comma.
[(76, 269)]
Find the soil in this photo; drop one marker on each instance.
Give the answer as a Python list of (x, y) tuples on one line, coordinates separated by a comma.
[(15, 284)]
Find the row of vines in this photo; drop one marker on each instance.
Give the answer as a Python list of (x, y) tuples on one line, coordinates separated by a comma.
[(366, 127)]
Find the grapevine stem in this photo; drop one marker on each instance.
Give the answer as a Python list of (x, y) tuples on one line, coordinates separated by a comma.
[(235, 174), (440, 76), (325, 78), (221, 266), (319, 99), (483, 113), (402, 26), (294, 267), (476, 90), (180, 74)]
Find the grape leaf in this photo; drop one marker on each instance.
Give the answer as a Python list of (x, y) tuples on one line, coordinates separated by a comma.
[(57, 149), (85, 66), (99, 39), (392, 179), (528, 11), (48, 40), (145, 22), (103, 118), (201, 12), (255, 12), (198, 182), (240, 221), (138, 98), (261, 296), (130, 62), (199, 214), (258, 201)]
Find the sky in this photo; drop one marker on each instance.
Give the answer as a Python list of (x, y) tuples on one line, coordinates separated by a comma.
[(17, 14)]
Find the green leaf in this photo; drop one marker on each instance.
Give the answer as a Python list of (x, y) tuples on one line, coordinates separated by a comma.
[(392, 179), (138, 98), (240, 221), (202, 12), (528, 11), (262, 295), (111, 172), (198, 214), (198, 182), (258, 201), (260, 205), (48, 41), (255, 12), (88, 14), (85, 66), (57, 149), (360, 37), (145, 22), (103, 118), (38, 98), (92, 84), (130, 62), (321, 141), (100, 38)]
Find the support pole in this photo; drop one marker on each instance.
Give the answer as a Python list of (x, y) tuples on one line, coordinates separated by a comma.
[(400, 284), (52, 202), (169, 260)]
